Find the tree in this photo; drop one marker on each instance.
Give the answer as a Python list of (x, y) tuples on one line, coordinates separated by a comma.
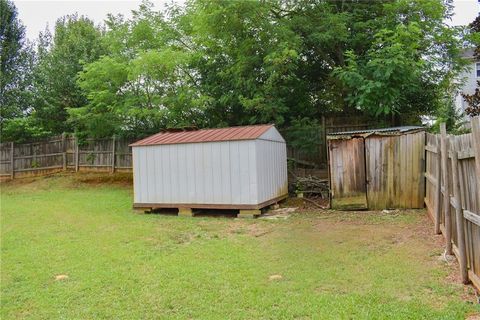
[(76, 42), (474, 36), (408, 66), (141, 87), (16, 63), (217, 63)]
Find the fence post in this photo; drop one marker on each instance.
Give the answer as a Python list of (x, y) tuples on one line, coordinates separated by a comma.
[(438, 187), (476, 149), (64, 149), (12, 161), (76, 154), (459, 216), (446, 193), (113, 154), (324, 137)]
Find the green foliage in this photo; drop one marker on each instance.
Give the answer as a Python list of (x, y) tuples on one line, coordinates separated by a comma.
[(448, 114), (16, 63), (305, 135), (474, 35), (408, 65), (212, 63), (23, 129), (91, 158), (76, 42), (141, 88), (35, 164)]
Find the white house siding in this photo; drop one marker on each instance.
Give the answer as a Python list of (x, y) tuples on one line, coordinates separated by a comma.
[(469, 84), (196, 173), (272, 165)]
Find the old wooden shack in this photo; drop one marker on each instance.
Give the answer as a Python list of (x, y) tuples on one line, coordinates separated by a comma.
[(377, 169), (242, 168)]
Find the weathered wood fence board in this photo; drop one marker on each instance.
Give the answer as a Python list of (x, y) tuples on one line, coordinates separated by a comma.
[(453, 195), (348, 186), (393, 167)]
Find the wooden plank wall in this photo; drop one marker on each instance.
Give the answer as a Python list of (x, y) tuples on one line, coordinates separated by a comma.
[(395, 166), (392, 170), (347, 178), (453, 195), (63, 152)]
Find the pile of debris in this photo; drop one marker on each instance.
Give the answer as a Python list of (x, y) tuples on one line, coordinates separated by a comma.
[(312, 187)]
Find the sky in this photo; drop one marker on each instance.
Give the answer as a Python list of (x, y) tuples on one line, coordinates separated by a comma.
[(36, 14)]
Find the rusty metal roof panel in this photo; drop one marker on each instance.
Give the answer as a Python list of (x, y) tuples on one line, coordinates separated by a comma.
[(205, 135), (381, 131)]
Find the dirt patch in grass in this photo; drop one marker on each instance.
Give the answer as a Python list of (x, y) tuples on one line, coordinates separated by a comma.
[(31, 184), (475, 316), (68, 180), (93, 178), (306, 203), (250, 229)]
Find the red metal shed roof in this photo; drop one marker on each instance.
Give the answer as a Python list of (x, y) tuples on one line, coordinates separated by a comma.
[(205, 135)]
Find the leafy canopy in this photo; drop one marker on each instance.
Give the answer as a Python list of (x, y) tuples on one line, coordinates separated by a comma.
[(217, 63)]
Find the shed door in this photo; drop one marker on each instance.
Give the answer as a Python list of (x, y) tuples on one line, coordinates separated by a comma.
[(347, 174)]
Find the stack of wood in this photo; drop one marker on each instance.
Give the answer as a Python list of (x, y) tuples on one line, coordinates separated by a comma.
[(312, 186)]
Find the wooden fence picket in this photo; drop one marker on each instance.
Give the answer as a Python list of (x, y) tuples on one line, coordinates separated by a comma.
[(445, 188), (113, 154), (462, 257), (12, 160), (438, 187), (476, 148)]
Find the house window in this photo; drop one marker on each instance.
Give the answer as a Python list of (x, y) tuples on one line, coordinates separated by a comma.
[(478, 69)]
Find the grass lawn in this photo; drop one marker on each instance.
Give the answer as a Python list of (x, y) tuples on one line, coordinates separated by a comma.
[(125, 265)]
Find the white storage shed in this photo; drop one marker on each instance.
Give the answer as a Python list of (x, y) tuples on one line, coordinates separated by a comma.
[(241, 168)]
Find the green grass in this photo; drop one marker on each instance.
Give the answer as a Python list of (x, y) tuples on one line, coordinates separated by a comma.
[(125, 265)]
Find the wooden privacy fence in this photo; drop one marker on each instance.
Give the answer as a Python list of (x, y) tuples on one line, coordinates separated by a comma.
[(453, 195), (64, 152)]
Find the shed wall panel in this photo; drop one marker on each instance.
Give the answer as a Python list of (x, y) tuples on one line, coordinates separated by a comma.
[(202, 173), (272, 169)]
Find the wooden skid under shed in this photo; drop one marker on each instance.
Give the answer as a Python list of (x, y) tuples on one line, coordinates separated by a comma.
[(153, 206)]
